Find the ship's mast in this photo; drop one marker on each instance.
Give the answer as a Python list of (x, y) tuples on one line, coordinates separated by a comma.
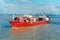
[(13, 16)]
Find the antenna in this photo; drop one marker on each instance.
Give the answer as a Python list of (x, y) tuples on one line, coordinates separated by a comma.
[(13, 16)]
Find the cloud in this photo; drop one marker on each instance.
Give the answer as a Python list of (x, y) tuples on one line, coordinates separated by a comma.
[(9, 8), (21, 9), (25, 0), (48, 9), (1, 0)]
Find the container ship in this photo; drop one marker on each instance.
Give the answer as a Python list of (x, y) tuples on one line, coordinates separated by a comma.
[(29, 21)]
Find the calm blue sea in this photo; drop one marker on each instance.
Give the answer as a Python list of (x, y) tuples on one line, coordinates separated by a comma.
[(48, 32)]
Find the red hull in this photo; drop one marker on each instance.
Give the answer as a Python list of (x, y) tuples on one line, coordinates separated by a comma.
[(26, 24)]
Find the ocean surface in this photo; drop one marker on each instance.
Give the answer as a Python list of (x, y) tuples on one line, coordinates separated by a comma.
[(50, 31)]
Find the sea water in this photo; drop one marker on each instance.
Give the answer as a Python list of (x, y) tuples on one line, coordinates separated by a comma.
[(50, 31)]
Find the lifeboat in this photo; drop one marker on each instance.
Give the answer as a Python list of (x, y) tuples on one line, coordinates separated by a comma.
[(27, 20)]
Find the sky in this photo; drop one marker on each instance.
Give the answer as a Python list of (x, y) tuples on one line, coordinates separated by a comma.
[(29, 6)]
